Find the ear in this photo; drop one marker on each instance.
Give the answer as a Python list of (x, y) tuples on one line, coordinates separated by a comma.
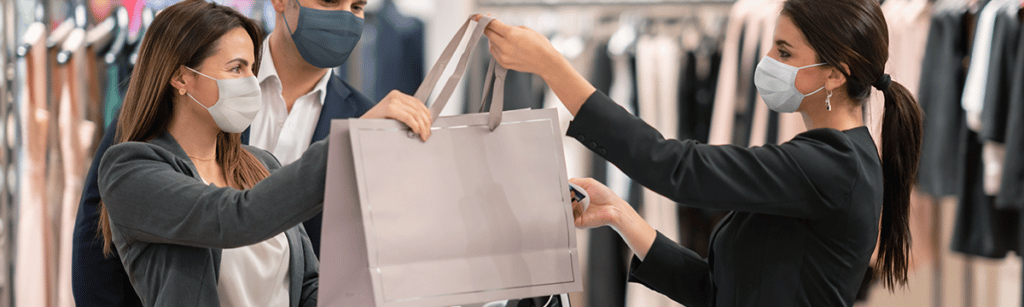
[(180, 80), (279, 5), (836, 78)]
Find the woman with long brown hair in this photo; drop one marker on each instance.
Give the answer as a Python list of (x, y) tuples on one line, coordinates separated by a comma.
[(197, 218), (805, 214)]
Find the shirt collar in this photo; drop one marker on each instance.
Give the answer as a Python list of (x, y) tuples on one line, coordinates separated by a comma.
[(268, 70)]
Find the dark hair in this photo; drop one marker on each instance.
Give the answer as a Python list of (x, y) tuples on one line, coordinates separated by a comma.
[(854, 32), (184, 34)]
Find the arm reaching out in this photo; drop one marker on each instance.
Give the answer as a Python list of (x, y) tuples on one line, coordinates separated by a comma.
[(523, 49)]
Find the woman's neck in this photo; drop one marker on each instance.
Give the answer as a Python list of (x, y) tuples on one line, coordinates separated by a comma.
[(196, 137), (845, 115)]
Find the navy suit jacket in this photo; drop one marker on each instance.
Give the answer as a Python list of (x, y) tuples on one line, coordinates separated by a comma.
[(101, 281), (342, 101)]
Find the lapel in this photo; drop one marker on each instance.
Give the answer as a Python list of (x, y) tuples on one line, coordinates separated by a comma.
[(294, 278), (334, 107), (167, 141), (711, 255), (714, 234)]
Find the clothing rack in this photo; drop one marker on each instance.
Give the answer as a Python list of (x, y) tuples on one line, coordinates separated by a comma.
[(585, 3)]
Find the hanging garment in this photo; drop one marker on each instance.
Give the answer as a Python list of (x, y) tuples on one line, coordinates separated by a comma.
[(605, 284), (31, 275), (978, 72), (941, 88), (1011, 192), (999, 70), (696, 100), (399, 53), (996, 99), (762, 123), (980, 228), (697, 91), (726, 96), (75, 137), (658, 66), (908, 23)]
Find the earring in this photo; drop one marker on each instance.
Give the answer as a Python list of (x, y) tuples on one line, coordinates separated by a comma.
[(828, 101), (181, 91)]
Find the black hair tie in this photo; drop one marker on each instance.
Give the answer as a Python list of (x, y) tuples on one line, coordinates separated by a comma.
[(883, 82)]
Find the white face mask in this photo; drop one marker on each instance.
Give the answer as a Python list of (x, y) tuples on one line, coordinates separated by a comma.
[(776, 82), (240, 100)]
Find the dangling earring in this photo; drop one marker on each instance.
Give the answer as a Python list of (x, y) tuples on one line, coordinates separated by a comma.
[(828, 101)]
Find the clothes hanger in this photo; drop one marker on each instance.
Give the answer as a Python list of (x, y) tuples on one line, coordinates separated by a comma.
[(147, 19), (34, 32), (60, 33), (100, 37), (624, 39), (120, 41), (75, 38)]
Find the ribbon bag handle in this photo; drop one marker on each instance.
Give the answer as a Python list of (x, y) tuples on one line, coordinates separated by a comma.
[(434, 76)]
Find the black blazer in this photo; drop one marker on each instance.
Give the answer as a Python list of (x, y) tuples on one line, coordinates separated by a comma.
[(100, 281), (805, 213)]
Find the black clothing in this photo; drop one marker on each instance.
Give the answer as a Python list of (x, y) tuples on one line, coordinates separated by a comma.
[(805, 220), (942, 84), (980, 229)]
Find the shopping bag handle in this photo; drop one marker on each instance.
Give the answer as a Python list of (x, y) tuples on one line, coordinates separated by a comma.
[(434, 75), (497, 73)]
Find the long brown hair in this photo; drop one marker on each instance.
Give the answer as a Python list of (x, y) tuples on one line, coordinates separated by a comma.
[(184, 34), (854, 32)]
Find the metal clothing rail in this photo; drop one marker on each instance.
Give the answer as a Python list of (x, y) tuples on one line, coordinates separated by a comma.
[(577, 3)]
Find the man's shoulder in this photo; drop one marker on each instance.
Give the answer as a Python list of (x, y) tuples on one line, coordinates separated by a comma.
[(339, 89)]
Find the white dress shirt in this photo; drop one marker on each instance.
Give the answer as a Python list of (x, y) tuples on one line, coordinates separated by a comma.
[(274, 120)]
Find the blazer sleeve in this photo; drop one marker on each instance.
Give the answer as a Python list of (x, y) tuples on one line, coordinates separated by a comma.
[(674, 271), (149, 200), (809, 177)]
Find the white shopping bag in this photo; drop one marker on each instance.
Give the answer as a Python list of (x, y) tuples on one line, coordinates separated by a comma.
[(478, 213)]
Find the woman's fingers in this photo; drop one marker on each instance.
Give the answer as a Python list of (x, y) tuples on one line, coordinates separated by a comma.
[(499, 28), (422, 114), (585, 183), (419, 116)]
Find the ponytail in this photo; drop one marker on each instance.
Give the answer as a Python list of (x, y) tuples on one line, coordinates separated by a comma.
[(901, 149)]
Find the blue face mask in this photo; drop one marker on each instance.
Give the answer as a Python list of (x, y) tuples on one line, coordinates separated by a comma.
[(324, 38)]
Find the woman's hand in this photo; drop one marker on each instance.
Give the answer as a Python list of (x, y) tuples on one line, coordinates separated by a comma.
[(606, 208), (521, 48), (404, 108), (524, 50)]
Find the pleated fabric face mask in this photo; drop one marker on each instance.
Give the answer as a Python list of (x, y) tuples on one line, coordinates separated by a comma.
[(776, 83), (326, 38), (239, 101)]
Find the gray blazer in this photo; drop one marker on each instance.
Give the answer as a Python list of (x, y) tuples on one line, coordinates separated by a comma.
[(169, 228)]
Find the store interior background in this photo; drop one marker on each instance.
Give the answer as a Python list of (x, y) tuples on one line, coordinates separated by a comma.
[(938, 275)]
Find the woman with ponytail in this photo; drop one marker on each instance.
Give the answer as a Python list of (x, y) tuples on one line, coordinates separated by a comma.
[(806, 214)]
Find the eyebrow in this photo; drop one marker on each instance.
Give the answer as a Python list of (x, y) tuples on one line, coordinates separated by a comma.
[(360, 2), (241, 60), (782, 42)]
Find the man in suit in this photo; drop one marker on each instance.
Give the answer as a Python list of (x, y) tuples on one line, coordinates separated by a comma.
[(300, 98)]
